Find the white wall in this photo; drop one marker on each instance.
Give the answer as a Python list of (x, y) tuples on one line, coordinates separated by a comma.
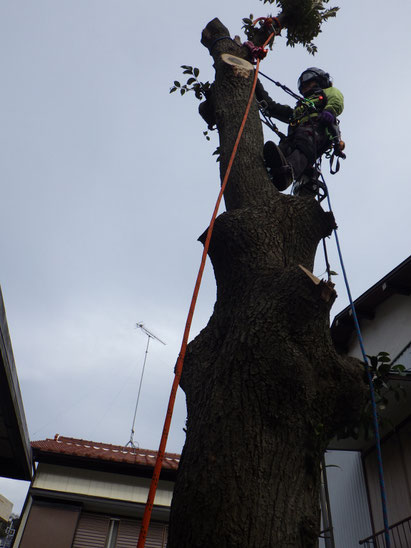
[(389, 331), (348, 498)]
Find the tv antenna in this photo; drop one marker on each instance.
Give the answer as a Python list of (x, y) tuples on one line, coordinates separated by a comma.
[(150, 336)]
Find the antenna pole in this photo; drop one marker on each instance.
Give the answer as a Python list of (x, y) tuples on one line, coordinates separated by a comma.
[(149, 336)]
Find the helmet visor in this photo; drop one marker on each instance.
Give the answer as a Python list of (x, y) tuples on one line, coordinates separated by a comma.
[(306, 77)]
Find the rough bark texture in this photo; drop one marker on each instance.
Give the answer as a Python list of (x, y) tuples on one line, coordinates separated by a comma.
[(265, 389)]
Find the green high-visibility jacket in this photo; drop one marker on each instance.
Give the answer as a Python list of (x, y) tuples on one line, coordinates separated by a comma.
[(330, 99)]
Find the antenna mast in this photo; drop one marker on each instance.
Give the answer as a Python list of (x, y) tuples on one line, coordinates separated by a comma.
[(150, 335)]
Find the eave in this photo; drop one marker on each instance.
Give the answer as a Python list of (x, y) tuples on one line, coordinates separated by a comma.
[(396, 282), (15, 450)]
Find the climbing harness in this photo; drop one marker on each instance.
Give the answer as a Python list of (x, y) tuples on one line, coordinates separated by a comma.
[(309, 107), (180, 360)]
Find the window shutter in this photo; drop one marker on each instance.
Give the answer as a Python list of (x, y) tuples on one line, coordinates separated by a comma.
[(91, 531), (129, 531), (157, 536)]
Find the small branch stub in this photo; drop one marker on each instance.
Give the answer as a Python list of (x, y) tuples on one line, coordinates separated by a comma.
[(327, 288)]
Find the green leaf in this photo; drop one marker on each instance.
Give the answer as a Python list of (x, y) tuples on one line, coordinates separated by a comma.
[(187, 71), (196, 72), (172, 90), (182, 91), (332, 273), (374, 361), (186, 67), (191, 81), (384, 368), (177, 84)]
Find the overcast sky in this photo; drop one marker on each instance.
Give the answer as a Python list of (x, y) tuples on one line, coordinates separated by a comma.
[(107, 181)]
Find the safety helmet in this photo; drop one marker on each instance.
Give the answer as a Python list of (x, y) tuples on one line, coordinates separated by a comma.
[(313, 73)]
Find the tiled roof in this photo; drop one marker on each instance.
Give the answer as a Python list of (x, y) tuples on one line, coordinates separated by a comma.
[(61, 445)]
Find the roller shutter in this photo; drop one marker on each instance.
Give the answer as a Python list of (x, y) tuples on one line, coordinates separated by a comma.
[(129, 530), (91, 531)]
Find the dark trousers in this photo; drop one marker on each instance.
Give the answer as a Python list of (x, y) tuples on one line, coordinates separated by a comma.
[(303, 145)]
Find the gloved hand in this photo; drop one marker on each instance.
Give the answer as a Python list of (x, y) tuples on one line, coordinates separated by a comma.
[(326, 118)]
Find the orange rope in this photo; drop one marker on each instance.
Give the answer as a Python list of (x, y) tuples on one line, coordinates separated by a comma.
[(179, 366)]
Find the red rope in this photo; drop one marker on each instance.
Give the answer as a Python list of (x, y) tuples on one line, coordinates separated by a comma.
[(179, 366)]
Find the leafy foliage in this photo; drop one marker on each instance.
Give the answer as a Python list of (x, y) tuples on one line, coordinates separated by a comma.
[(302, 18), (381, 368), (200, 89)]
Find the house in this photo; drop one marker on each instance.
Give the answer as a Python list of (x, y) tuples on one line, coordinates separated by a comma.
[(384, 314), (15, 451), (86, 494)]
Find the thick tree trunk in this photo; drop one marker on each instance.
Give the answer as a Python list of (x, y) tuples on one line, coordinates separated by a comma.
[(265, 389)]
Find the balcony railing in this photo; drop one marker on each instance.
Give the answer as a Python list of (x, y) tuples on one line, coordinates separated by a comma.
[(400, 536)]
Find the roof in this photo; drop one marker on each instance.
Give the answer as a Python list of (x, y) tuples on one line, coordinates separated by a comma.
[(15, 452), (71, 450), (396, 282)]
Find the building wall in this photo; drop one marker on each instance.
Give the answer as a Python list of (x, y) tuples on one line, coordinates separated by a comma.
[(396, 455), (348, 498), (54, 525), (93, 531), (90, 523), (50, 526), (389, 330), (100, 484), (5, 508)]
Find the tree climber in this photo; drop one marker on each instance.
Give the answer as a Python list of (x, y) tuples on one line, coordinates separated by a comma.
[(312, 126)]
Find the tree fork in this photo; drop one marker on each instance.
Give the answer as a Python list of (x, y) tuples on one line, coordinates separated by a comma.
[(265, 388)]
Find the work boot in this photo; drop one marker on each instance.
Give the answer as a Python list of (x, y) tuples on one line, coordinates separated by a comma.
[(273, 156), (281, 177), (280, 172)]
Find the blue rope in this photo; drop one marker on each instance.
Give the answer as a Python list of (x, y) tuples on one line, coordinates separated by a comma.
[(372, 391)]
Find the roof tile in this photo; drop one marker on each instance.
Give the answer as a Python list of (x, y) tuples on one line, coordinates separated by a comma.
[(104, 451)]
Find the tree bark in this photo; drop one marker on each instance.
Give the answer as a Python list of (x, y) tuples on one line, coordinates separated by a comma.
[(265, 389)]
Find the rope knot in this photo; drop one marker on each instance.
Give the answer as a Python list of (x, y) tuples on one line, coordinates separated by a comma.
[(257, 52)]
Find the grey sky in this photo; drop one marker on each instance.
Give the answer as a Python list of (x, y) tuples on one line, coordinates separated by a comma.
[(107, 181)]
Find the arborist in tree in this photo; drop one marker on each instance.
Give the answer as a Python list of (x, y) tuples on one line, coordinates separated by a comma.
[(312, 126)]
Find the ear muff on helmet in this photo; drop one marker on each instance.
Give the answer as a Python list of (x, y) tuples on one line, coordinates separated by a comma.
[(314, 73)]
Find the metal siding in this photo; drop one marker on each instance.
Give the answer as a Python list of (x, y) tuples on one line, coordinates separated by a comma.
[(348, 498), (405, 436), (396, 486), (91, 531), (100, 484)]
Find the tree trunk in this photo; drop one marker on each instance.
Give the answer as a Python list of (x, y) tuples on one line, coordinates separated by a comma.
[(265, 389)]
